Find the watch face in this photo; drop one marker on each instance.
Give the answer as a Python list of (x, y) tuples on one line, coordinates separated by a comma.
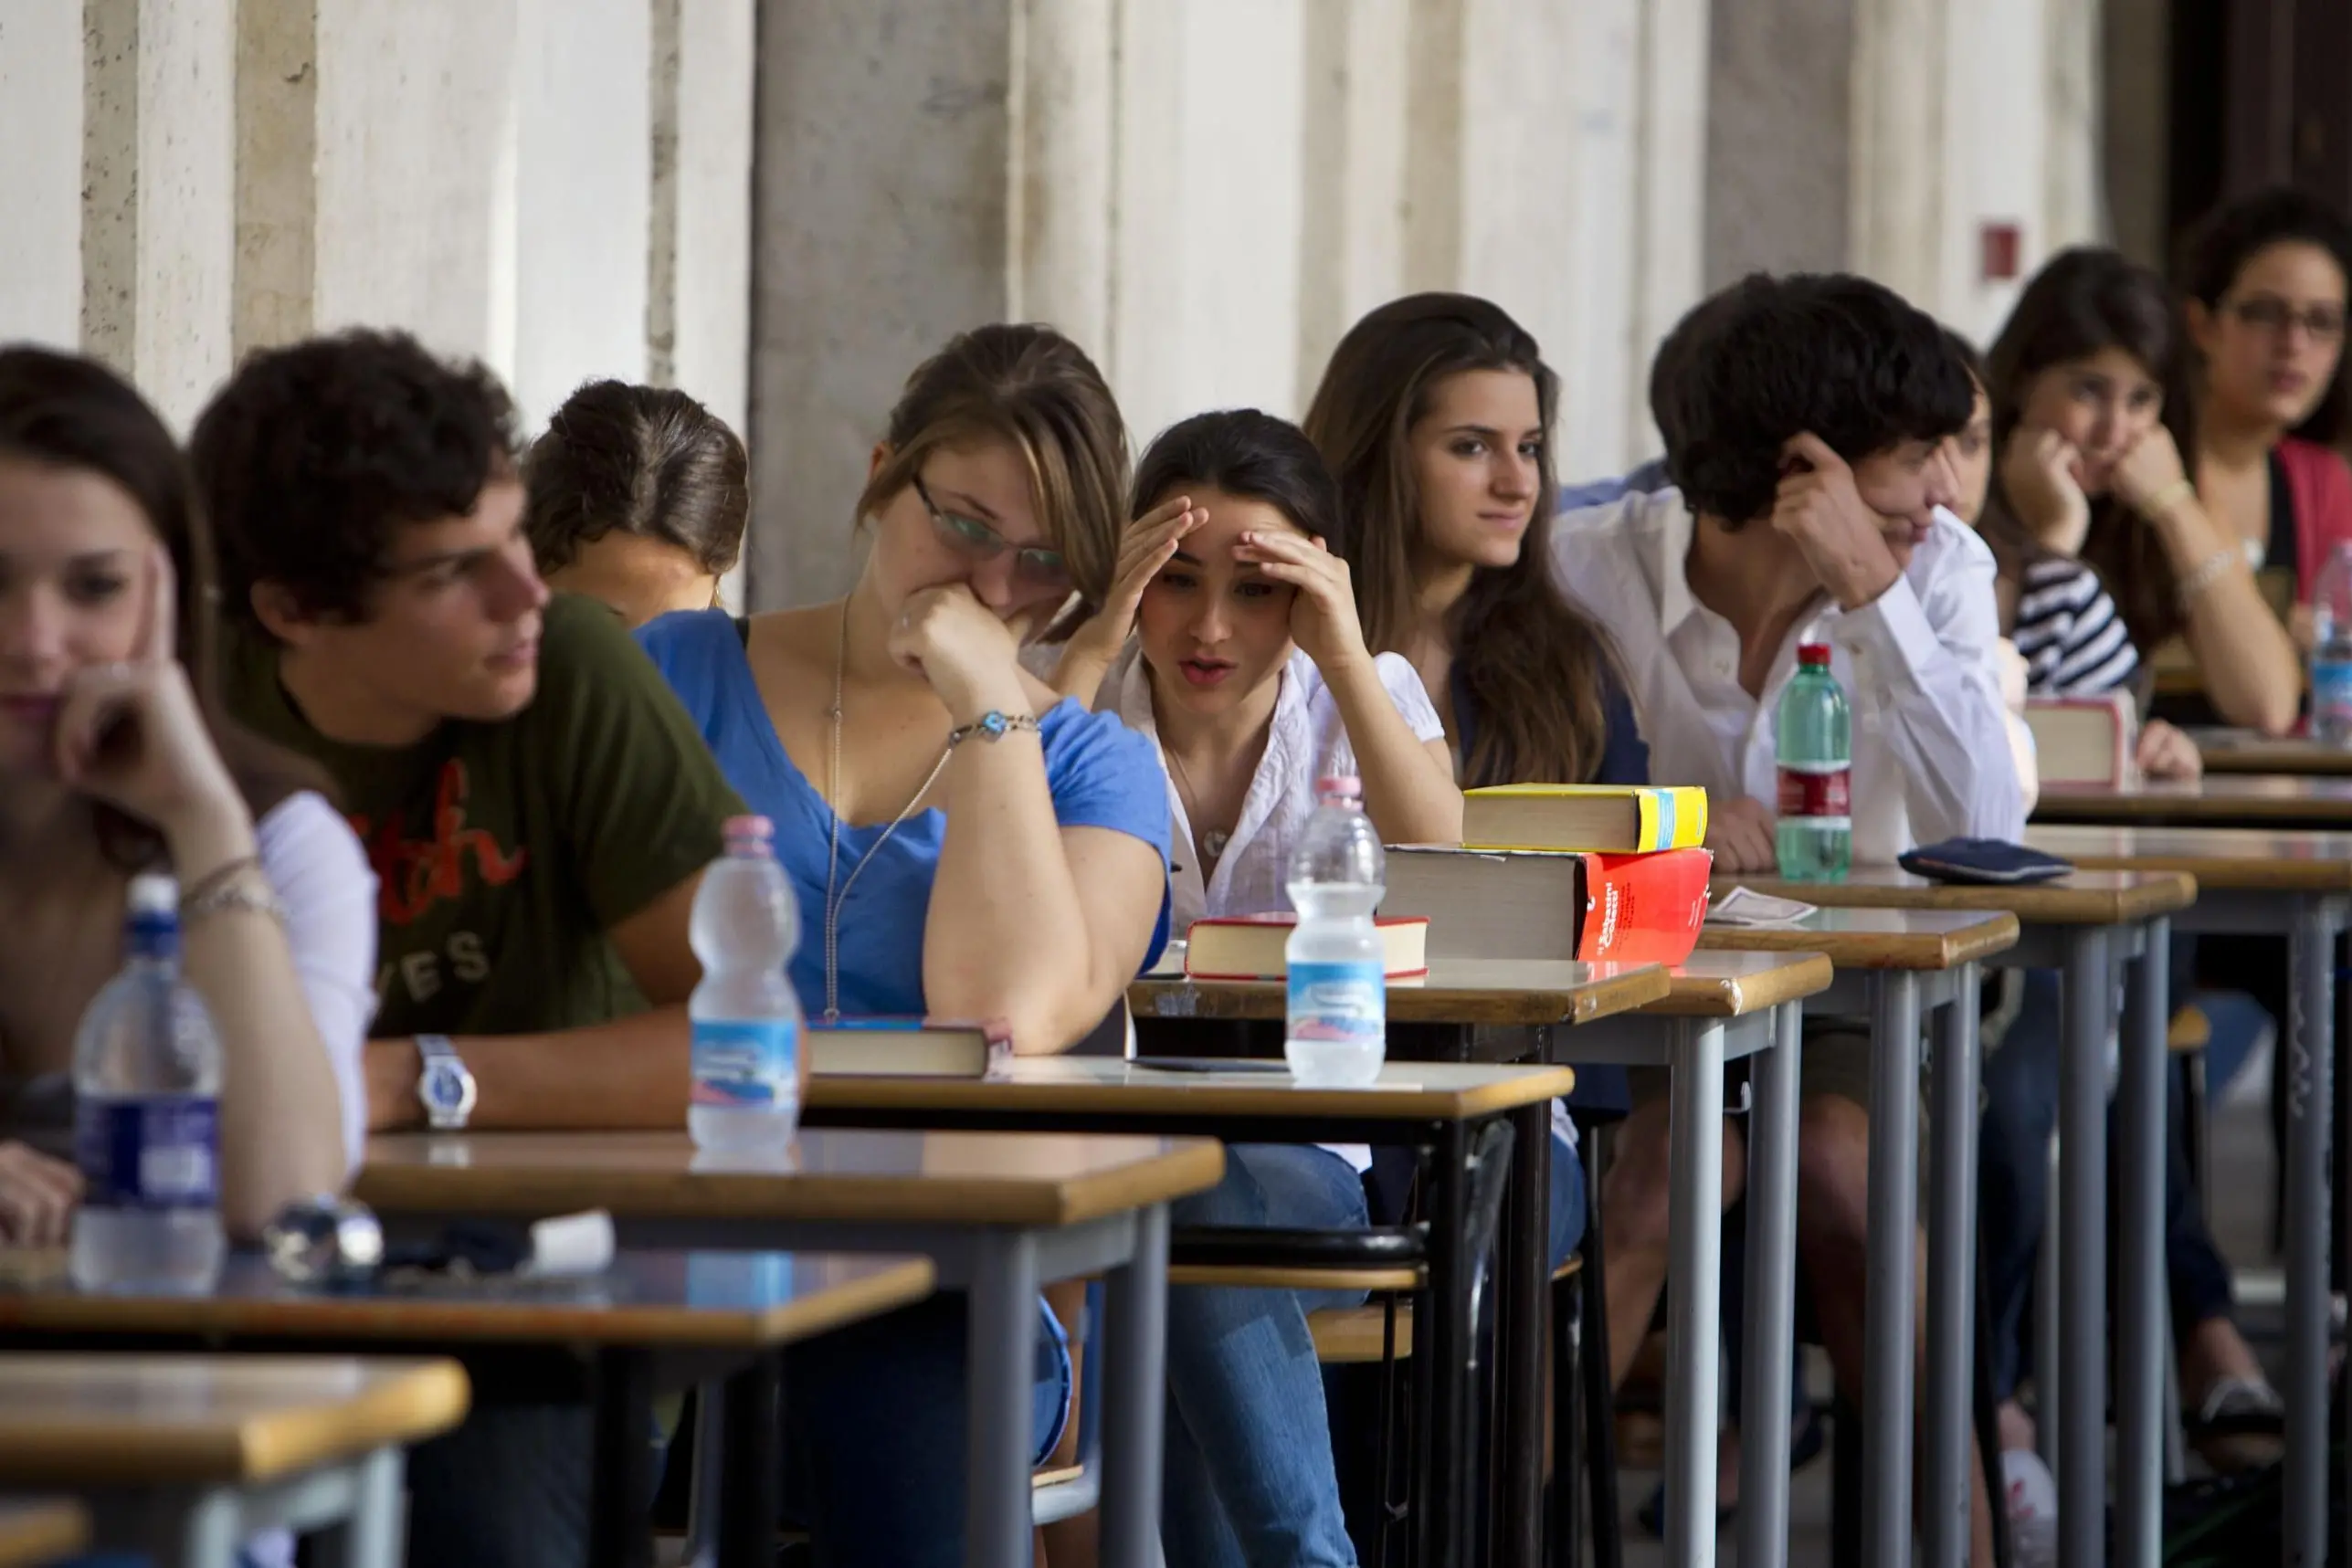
[(445, 1088)]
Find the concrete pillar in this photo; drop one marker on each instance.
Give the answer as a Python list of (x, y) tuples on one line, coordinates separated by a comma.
[(1780, 119), (276, 171), (1352, 191), (1060, 216), (2133, 135), (158, 165), (40, 170), (1896, 231), (698, 335), (880, 232)]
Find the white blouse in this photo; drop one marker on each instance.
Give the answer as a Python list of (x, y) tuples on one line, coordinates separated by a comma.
[(314, 861)]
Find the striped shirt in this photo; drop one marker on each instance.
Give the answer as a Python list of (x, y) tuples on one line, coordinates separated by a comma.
[(2073, 641)]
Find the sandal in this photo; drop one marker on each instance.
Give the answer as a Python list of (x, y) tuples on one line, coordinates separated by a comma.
[(2240, 1426)]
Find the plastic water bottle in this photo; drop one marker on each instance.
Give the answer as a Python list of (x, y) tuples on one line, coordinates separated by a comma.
[(746, 1017), (1813, 738), (1338, 1002), (147, 1075), (2331, 651)]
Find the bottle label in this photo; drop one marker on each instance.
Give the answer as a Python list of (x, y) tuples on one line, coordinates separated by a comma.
[(1342, 1003), (748, 1065), (148, 1151), (1816, 792), (2331, 686)]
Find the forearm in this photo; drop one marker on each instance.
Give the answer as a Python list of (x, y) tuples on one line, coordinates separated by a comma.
[(1409, 798), (1086, 658), (626, 1075), (2247, 660), (1005, 936)]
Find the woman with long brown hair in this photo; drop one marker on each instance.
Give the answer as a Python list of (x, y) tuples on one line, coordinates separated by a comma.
[(115, 758)]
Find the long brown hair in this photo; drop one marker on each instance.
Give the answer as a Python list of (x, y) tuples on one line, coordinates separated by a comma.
[(67, 412), (648, 460), (1032, 387), (2083, 301), (1534, 667)]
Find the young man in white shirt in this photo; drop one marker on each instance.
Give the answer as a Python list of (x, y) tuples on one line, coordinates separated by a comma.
[(1806, 432)]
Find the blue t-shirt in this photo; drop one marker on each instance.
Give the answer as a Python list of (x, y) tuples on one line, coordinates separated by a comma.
[(1101, 775)]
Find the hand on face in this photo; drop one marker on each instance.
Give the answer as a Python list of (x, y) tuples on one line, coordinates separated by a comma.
[(1147, 546), (2042, 474), (967, 653), (2149, 476), (1819, 510), (1322, 613), (1741, 833), (37, 1195), (133, 735)]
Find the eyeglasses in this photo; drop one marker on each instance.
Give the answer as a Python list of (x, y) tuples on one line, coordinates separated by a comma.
[(2324, 324), (976, 541)]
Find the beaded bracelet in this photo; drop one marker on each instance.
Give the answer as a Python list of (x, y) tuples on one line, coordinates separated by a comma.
[(227, 891), (2209, 572), (2161, 502)]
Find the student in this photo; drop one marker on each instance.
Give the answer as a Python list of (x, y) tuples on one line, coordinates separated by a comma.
[(636, 495), (116, 758), (1807, 439), (2075, 644), (535, 806), (2089, 417), (962, 846), (2265, 281)]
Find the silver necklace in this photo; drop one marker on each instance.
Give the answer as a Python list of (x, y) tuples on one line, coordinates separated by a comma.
[(833, 902), (1212, 841)]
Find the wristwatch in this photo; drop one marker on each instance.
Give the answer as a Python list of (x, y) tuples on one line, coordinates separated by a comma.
[(445, 1086)]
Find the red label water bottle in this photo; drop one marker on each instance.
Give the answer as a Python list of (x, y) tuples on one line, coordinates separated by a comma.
[(1813, 738)]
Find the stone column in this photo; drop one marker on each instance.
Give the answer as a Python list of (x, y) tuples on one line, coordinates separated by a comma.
[(40, 170), (1780, 118), (1352, 191)]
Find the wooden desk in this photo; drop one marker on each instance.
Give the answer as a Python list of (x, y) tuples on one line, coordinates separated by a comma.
[(1866, 938), (185, 1456), (1457, 994), (2089, 924), (2296, 885), (1731, 984), (2247, 751), (37, 1532), (999, 1214), (2224, 800)]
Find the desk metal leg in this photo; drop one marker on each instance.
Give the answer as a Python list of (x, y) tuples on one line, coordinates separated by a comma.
[(1445, 1526), (1524, 1258), (748, 1460), (1134, 1391), (2082, 1372), (1952, 1277), (1776, 1075), (1892, 1291), (1000, 1362), (2310, 1107), (620, 1521), (2141, 1352), (1693, 1290)]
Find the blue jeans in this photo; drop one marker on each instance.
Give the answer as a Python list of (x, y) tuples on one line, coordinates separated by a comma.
[(1249, 1480), (2013, 1182)]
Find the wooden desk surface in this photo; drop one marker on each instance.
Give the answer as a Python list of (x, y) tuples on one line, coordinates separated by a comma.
[(1498, 992), (75, 1420), (1048, 1086), (952, 1178), (1716, 985), (2230, 859), (2246, 751), (723, 1300), (1874, 938), (2224, 800), (2080, 898), (37, 1532)]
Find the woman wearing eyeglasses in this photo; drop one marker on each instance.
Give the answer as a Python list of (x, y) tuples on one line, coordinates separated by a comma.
[(2266, 296), (962, 844)]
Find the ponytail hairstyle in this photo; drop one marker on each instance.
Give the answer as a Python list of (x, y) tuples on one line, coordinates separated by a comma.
[(1534, 667)]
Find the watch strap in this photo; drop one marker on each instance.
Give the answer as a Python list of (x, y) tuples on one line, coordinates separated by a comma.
[(440, 1056)]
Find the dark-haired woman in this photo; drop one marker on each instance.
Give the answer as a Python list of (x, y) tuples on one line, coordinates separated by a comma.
[(2091, 417), (637, 497), (115, 758), (1242, 658), (2265, 281)]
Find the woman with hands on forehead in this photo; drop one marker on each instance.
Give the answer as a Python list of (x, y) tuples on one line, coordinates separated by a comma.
[(116, 759)]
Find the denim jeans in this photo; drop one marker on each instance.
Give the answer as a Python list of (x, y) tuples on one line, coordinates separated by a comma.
[(1249, 1480), (2019, 1117), (873, 1443)]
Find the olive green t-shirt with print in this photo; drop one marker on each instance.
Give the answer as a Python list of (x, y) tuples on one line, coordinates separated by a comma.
[(505, 851)]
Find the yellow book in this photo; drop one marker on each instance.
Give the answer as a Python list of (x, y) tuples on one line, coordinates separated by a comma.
[(1606, 819)]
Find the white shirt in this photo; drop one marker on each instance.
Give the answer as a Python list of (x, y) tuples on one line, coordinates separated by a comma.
[(1932, 756), (1305, 743), (314, 862)]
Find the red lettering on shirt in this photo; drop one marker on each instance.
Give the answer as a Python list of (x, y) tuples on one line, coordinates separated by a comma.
[(413, 875)]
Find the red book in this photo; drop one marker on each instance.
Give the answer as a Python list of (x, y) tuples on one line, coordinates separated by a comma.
[(1250, 947), (1643, 909), (1538, 904)]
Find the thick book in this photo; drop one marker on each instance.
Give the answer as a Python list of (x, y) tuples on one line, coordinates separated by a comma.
[(2085, 739), (903, 1047), (1541, 904), (1608, 819), (1250, 947)]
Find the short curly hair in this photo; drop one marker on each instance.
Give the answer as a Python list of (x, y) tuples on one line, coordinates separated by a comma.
[(314, 455), (1839, 356)]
